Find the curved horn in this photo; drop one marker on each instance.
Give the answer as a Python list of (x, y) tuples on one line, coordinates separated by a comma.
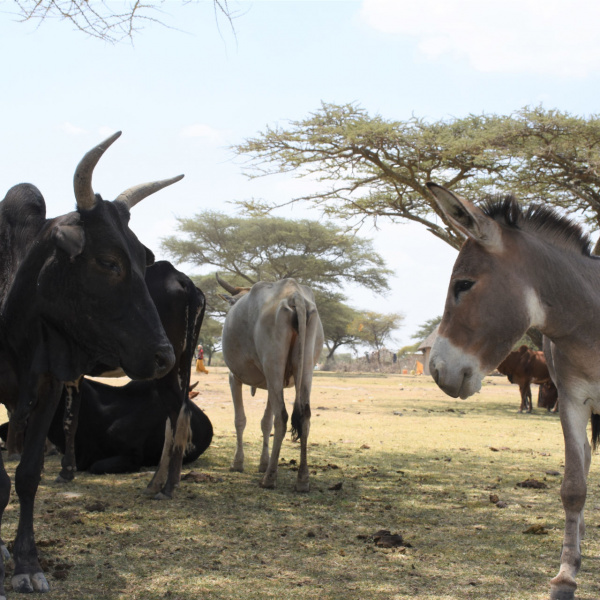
[(227, 286), (137, 193), (82, 180)]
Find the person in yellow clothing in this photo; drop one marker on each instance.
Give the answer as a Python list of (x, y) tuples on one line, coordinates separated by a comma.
[(200, 368), (419, 368)]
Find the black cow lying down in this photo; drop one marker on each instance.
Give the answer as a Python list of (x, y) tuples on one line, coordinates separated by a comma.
[(122, 429)]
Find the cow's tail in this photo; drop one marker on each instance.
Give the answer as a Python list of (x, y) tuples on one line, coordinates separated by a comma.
[(595, 431), (300, 409)]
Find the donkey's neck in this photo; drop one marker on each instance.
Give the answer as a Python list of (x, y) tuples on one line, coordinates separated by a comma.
[(565, 294)]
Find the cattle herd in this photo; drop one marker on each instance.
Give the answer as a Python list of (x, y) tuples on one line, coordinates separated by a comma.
[(80, 295)]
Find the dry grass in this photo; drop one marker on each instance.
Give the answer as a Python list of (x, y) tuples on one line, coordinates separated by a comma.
[(410, 460)]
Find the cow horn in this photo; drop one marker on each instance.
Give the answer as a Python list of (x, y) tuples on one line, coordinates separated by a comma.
[(82, 180), (137, 193), (227, 286)]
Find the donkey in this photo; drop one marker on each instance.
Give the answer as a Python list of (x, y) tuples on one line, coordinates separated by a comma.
[(521, 268)]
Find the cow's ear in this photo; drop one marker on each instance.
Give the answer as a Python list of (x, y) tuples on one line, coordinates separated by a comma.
[(230, 299), (70, 239), (149, 257)]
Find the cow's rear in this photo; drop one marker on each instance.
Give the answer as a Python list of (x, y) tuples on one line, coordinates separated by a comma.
[(272, 338)]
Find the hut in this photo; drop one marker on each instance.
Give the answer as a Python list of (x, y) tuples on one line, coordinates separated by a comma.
[(425, 348)]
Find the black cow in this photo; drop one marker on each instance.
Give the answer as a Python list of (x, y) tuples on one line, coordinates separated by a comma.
[(180, 305), (122, 429), (75, 302)]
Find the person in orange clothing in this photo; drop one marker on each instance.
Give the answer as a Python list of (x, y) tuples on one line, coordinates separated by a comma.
[(200, 368)]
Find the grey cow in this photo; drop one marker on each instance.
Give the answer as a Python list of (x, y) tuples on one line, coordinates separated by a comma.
[(272, 339)]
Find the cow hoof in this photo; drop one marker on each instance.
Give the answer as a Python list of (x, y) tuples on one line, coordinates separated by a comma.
[(263, 468), (302, 487), (162, 496), (237, 468), (26, 584), (267, 484), (61, 479), (5, 553)]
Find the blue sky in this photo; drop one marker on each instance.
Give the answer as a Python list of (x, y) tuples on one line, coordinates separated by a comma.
[(183, 95)]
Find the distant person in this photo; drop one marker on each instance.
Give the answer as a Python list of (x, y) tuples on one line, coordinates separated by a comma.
[(200, 368)]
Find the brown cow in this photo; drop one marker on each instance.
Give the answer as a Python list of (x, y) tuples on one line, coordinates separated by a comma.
[(524, 367)]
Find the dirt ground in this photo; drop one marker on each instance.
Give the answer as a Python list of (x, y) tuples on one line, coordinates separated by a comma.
[(387, 453)]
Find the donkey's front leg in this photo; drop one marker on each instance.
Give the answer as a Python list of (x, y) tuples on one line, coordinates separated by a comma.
[(573, 490)]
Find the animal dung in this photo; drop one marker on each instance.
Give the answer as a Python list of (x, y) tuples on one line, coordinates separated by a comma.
[(532, 483), (536, 530), (385, 539)]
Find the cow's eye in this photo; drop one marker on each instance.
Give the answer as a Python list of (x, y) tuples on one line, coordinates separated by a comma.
[(108, 264), (462, 285)]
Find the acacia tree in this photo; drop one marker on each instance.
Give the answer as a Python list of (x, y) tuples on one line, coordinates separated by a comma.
[(321, 255), (108, 21), (376, 329), (210, 337), (425, 329), (337, 318), (246, 250), (375, 168), (558, 160)]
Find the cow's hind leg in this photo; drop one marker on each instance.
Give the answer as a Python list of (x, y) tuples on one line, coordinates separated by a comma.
[(280, 419), (266, 426), (528, 399), (573, 492), (301, 425), (240, 422)]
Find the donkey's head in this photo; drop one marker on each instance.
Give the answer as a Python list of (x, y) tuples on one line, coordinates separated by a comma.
[(490, 303)]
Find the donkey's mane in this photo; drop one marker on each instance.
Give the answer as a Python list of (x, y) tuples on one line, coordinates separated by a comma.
[(538, 218)]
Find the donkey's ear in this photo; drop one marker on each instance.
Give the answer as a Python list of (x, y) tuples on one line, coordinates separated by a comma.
[(467, 218)]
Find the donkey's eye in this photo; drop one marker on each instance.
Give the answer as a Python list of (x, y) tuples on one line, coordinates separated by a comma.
[(462, 285)]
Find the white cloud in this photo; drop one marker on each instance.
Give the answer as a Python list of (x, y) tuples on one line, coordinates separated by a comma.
[(72, 129), (200, 130), (105, 131), (549, 37)]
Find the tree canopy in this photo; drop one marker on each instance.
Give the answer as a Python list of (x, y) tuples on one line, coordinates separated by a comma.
[(320, 255), (246, 250), (376, 168)]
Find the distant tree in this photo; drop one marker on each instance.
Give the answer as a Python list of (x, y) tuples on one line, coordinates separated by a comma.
[(337, 319), (410, 349), (425, 329), (108, 21), (210, 337), (211, 289), (375, 329), (320, 255)]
